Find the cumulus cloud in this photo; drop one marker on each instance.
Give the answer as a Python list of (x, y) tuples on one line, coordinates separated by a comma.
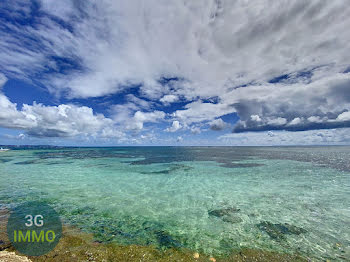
[(179, 139), (199, 111), (345, 116), (217, 124), (255, 118), (295, 121), (136, 123), (168, 99), (195, 130), (134, 113), (55, 121), (174, 127)]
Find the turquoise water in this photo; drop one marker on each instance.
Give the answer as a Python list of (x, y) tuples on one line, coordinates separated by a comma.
[(208, 199)]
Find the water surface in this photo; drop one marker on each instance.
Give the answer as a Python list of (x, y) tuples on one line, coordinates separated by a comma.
[(208, 199)]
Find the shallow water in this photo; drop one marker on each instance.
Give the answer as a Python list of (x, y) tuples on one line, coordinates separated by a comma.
[(209, 199)]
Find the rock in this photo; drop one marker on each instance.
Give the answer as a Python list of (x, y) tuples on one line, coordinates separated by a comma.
[(223, 212), (226, 214), (166, 240), (196, 255), (4, 245), (232, 219), (278, 231)]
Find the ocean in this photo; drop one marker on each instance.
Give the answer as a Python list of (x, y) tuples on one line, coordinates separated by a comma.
[(209, 199)]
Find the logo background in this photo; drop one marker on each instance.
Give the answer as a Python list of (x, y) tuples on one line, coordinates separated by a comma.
[(17, 222)]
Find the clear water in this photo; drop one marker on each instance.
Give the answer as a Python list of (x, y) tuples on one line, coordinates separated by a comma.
[(164, 196)]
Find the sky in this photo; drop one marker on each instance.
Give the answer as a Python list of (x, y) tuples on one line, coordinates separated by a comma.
[(176, 72)]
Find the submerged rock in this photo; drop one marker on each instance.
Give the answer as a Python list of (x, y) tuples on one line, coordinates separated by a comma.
[(226, 214), (27, 162), (278, 231), (223, 212), (165, 240), (232, 219)]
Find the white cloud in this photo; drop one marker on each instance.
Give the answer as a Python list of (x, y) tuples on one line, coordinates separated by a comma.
[(136, 123), (345, 116), (218, 124), (63, 8), (55, 121), (270, 133), (174, 127), (316, 119), (255, 118), (129, 116), (195, 130), (139, 103), (277, 121), (198, 111), (168, 99), (3, 80), (295, 121)]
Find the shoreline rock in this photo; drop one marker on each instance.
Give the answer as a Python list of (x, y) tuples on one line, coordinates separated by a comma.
[(6, 256)]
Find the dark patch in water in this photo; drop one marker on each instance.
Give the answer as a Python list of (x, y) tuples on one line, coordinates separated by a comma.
[(27, 162), (59, 163), (226, 214), (83, 154), (4, 160), (232, 219), (156, 230), (278, 231), (223, 212), (107, 233), (162, 172), (241, 165), (172, 169), (165, 240), (224, 155)]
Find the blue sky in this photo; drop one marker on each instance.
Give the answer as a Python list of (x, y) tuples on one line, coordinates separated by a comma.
[(174, 73)]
